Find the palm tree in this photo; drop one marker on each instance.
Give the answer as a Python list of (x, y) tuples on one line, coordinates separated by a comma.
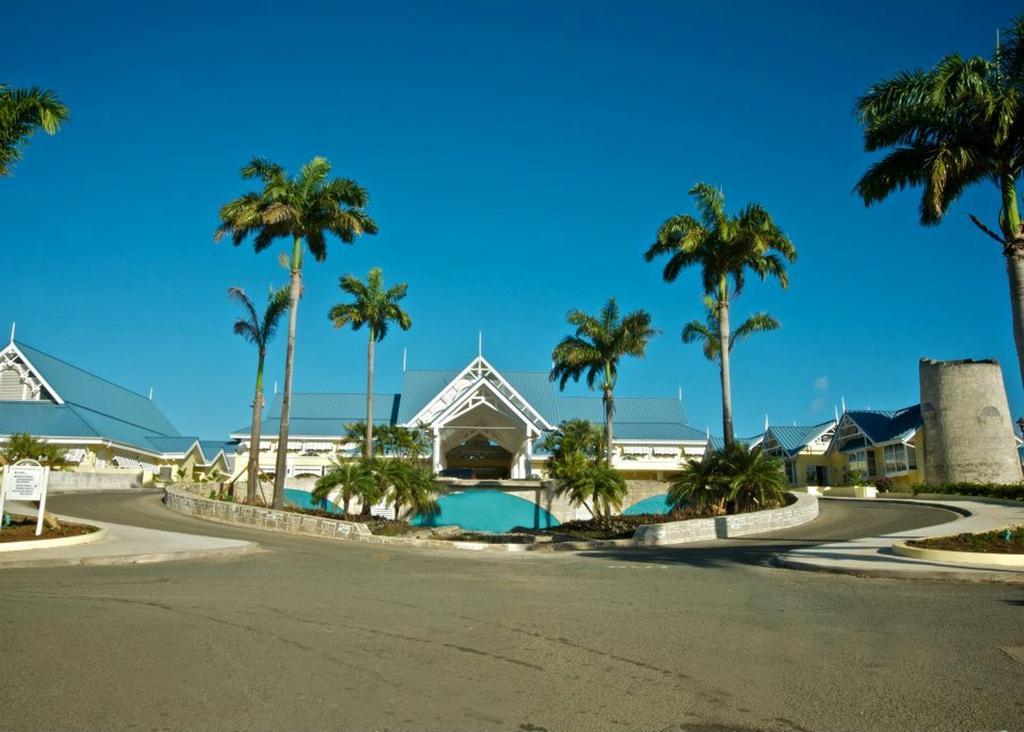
[(349, 477), (258, 330), (707, 332), (698, 487), (754, 479), (384, 473), (595, 350), (724, 248), (304, 208), (22, 112), (376, 308), (960, 123), (413, 486)]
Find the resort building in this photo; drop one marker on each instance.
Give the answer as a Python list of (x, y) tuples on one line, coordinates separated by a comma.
[(803, 451), (104, 428), (879, 444), (479, 423)]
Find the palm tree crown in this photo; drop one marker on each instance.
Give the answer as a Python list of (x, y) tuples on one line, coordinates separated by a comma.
[(375, 306), (253, 327), (307, 206), (22, 112), (595, 350)]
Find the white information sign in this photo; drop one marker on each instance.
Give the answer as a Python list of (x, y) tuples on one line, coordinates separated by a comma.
[(26, 480)]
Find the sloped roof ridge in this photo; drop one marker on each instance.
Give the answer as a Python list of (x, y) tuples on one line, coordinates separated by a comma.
[(85, 419), (84, 371)]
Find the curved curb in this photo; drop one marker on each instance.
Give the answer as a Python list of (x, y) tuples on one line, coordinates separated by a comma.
[(128, 559), (968, 574), (953, 557), (17, 546)]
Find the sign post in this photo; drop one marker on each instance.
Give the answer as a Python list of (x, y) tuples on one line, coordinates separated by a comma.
[(26, 480)]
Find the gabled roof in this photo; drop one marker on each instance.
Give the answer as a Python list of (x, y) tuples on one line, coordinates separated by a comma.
[(87, 406), (718, 443), (885, 426), (793, 439), (83, 388)]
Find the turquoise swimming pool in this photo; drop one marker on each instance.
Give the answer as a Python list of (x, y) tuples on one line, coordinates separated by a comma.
[(304, 499), (658, 504), (482, 510)]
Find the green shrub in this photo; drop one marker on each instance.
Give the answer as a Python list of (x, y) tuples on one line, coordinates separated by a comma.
[(1007, 491)]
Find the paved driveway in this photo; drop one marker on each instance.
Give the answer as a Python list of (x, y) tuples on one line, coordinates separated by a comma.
[(314, 634)]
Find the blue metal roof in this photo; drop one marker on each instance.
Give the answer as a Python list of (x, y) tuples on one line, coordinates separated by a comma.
[(886, 426), (93, 408), (718, 443), (325, 415), (82, 388), (794, 438)]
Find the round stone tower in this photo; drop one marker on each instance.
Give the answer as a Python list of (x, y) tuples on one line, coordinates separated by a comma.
[(968, 432)]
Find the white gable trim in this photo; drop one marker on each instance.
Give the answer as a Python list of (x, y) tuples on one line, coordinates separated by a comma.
[(12, 348), (453, 412), (482, 368)]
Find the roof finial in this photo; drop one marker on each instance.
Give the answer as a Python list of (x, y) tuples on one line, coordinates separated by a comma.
[(680, 393), (836, 410), (275, 387), (151, 393), (480, 344), (766, 422), (12, 331), (843, 401)]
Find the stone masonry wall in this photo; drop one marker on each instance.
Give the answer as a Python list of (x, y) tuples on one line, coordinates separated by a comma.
[(968, 430)]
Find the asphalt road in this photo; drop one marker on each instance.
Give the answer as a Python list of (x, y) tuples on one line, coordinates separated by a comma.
[(314, 634)]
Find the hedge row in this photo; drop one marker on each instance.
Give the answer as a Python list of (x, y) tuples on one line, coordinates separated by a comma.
[(1009, 491)]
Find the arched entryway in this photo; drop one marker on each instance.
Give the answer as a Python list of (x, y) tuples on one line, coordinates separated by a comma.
[(479, 457)]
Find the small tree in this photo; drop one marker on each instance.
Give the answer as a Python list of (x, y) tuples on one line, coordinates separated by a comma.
[(413, 486), (349, 478)]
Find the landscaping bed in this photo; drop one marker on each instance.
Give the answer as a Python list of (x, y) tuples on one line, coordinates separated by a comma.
[(378, 525), (26, 531), (605, 527), (990, 542)]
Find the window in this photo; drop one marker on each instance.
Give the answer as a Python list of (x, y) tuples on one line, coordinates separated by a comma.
[(790, 472), (858, 462), (811, 474), (900, 458)]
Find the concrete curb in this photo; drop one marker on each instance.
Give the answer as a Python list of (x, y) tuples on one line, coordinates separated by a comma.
[(943, 555), (18, 546), (127, 559), (978, 576)]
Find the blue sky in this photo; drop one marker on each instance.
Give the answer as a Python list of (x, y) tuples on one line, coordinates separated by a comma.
[(519, 158)]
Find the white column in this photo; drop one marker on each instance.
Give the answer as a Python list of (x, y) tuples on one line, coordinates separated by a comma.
[(436, 457), (529, 457)]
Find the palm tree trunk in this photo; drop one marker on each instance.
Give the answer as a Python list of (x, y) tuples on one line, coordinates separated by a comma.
[(369, 395), (253, 479), (1014, 250), (609, 409), (723, 335), (294, 290)]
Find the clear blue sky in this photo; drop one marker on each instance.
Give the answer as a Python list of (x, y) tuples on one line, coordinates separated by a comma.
[(519, 157)]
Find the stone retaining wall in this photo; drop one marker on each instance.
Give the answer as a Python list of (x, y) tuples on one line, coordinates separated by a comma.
[(183, 500), (802, 510)]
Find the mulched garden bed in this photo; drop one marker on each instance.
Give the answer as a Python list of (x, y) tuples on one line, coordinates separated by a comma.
[(26, 531), (993, 542)]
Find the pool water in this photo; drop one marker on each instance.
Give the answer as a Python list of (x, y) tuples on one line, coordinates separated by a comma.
[(658, 504), (483, 510)]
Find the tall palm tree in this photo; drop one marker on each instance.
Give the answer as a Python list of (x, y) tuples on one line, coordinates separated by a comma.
[(376, 307), (707, 332), (258, 330), (304, 208), (595, 350), (22, 112), (960, 123), (724, 247)]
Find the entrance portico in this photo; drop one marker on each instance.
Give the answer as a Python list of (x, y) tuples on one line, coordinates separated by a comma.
[(480, 421)]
